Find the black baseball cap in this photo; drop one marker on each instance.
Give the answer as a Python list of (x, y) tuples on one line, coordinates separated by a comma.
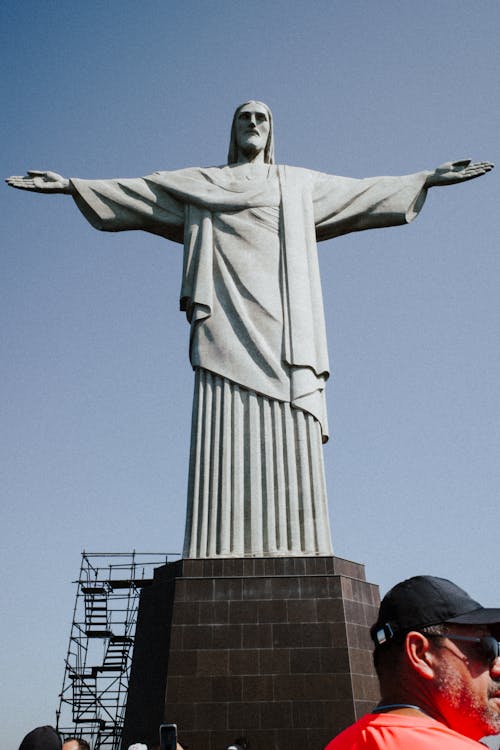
[(427, 600)]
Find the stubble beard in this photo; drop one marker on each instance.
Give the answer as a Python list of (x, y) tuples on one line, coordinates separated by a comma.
[(475, 712)]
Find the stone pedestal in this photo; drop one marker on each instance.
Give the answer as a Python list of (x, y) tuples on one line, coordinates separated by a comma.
[(273, 649)]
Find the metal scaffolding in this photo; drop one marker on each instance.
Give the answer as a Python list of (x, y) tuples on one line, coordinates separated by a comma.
[(97, 667)]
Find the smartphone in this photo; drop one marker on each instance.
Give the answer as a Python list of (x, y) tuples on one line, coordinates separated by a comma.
[(168, 736)]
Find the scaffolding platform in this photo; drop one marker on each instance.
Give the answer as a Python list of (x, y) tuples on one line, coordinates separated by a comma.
[(97, 665)]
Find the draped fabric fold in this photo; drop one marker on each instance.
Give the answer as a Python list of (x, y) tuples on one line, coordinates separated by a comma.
[(196, 298)]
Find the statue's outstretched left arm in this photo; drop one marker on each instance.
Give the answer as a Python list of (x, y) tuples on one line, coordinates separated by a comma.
[(452, 172)]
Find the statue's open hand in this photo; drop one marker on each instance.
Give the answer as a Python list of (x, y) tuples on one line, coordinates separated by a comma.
[(452, 172), (40, 182)]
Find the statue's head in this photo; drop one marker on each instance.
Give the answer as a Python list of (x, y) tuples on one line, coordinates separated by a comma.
[(252, 116)]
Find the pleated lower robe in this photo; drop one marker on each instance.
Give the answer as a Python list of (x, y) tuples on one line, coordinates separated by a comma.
[(256, 477)]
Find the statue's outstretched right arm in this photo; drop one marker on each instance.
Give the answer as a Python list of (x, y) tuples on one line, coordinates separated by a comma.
[(41, 182)]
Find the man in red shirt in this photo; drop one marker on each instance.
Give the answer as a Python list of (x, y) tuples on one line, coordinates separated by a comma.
[(437, 658)]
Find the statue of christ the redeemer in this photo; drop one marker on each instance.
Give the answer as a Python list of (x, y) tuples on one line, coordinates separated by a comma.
[(252, 295)]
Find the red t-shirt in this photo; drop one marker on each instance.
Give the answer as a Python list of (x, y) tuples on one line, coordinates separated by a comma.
[(400, 732)]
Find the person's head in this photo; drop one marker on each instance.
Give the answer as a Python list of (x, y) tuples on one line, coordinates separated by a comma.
[(75, 743), (251, 133), (437, 648), (41, 738)]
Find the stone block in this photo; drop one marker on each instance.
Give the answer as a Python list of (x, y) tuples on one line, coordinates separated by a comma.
[(275, 649)]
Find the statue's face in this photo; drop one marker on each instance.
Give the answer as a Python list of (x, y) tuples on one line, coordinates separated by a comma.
[(252, 128)]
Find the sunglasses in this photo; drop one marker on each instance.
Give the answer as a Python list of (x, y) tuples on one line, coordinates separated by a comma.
[(488, 647)]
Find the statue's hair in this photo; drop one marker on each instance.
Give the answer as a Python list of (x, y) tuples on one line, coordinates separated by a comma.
[(232, 156)]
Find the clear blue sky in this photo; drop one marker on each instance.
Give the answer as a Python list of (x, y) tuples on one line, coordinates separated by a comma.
[(96, 392)]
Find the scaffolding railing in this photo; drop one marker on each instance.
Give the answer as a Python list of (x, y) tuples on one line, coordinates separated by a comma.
[(97, 666)]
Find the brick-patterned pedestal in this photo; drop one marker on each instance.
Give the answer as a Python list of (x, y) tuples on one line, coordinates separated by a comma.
[(275, 649)]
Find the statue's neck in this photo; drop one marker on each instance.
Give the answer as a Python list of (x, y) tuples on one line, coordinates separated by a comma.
[(250, 171), (251, 157)]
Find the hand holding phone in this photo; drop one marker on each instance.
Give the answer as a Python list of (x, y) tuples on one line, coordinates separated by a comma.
[(168, 736)]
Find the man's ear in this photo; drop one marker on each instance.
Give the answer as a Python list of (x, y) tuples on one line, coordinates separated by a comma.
[(419, 655)]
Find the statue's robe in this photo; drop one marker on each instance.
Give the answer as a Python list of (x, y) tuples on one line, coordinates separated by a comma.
[(251, 291)]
